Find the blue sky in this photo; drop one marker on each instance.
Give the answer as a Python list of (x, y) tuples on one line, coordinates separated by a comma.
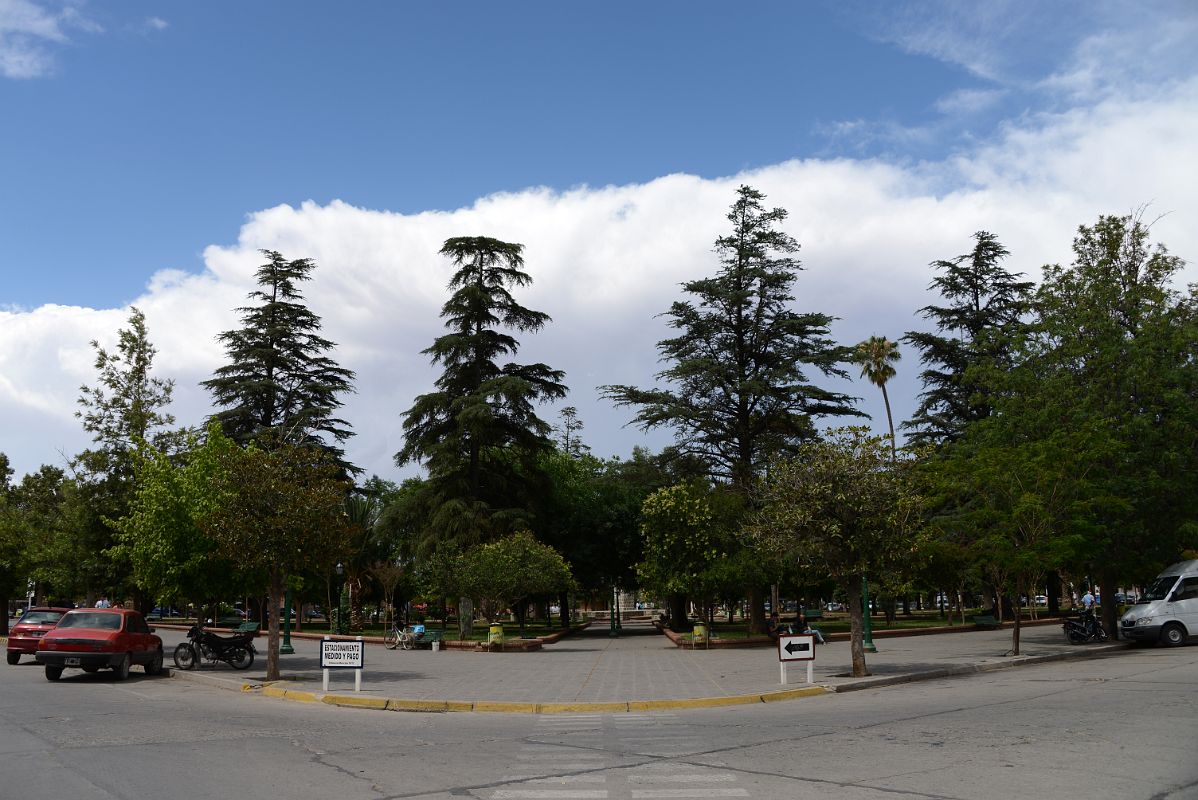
[(156, 127), (149, 149)]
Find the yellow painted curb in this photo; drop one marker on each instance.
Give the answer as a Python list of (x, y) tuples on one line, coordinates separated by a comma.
[(701, 702), (417, 705), (793, 694), (289, 694), (458, 705), (354, 702), (507, 708), (578, 708)]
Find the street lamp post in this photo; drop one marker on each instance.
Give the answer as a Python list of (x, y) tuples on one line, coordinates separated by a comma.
[(339, 623), (285, 649), (868, 644)]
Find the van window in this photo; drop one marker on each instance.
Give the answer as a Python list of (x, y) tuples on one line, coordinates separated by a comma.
[(1188, 590), (1160, 588)]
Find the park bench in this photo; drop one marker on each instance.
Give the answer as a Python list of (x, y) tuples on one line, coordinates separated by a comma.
[(986, 622), (813, 614), (429, 636), (248, 627)]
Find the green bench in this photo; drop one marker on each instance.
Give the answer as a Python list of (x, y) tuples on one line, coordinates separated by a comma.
[(813, 614), (429, 636), (986, 622), (248, 627)]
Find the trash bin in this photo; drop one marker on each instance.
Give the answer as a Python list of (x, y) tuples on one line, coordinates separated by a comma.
[(700, 632), (436, 645), (496, 635)]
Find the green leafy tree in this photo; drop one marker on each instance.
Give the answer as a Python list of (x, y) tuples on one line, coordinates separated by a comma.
[(125, 408), (281, 511), (162, 538), (1109, 363), (738, 389), (984, 304), (478, 434), (499, 574), (12, 579), (877, 356), (280, 386), (844, 508)]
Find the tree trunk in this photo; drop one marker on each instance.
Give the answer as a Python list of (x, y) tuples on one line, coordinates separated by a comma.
[(857, 640), (678, 618), (272, 637), (465, 617), (757, 610), (563, 609), (1054, 592)]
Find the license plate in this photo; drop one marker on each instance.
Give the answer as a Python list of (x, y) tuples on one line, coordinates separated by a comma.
[(71, 662)]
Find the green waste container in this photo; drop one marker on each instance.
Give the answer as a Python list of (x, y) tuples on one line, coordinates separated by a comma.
[(700, 632), (496, 635)]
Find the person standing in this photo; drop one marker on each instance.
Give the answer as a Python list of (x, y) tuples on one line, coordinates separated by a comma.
[(103, 602)]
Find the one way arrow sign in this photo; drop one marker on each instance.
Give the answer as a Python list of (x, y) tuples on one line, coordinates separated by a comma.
[(799, 647)]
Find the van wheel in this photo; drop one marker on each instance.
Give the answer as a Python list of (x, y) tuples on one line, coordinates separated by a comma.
[(1173, 635)]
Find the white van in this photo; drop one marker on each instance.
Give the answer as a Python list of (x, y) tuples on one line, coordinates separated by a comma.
[(1168, 611)]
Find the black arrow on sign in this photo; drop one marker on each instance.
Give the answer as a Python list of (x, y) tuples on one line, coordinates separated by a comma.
[(796, 647)]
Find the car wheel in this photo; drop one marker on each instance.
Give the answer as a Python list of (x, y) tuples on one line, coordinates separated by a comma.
[(1173, 635), (14, 658), (154, 667), (53, 673), (122, 669)]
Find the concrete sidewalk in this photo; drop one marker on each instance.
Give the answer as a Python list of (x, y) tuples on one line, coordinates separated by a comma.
[(637, 671)]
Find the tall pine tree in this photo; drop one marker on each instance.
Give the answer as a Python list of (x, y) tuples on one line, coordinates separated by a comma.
[(739, 391), (279, 385), (478, 434), (985, 303)]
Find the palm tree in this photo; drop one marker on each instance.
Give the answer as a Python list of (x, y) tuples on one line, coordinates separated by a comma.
[(876, 355)]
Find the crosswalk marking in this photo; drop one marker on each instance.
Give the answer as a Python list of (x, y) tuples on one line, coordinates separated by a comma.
[(688, 777), (695, 791), (550, 794)]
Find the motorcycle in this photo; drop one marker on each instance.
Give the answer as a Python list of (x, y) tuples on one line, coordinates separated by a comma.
[(237, 650), (1086, 629)]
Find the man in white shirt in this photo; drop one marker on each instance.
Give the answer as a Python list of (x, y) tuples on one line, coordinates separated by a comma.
[(102, 603)]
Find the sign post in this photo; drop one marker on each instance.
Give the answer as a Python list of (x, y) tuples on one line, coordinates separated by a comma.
[(797, 647), (342, 654)]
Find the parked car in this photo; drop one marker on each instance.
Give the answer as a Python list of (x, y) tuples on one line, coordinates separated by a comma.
[(1041, 599), (95, 638), (29, 630)]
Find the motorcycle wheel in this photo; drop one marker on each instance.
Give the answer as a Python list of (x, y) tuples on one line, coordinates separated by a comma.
[(241, 658), (185, 656), (1075, 636)]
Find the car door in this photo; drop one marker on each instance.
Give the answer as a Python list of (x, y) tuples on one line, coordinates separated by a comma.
[(139, 637)]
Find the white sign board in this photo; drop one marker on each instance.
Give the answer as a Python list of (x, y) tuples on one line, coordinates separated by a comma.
[(342, 655), (797, 647)]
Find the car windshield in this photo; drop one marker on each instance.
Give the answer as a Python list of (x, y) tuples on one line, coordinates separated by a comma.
[(40, 618), (1159, 590), (91, 619)]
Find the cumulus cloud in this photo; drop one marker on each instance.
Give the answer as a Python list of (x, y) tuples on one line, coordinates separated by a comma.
[(606, 260)]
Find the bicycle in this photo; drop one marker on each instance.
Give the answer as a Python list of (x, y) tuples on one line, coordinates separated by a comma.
[(404, 638)]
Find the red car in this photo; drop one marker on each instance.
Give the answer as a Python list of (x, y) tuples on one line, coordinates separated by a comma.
[(33, 624), (91, 638)]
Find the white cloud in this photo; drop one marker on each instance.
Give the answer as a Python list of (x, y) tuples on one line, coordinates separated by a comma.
[(27, 33), (606, 260)]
